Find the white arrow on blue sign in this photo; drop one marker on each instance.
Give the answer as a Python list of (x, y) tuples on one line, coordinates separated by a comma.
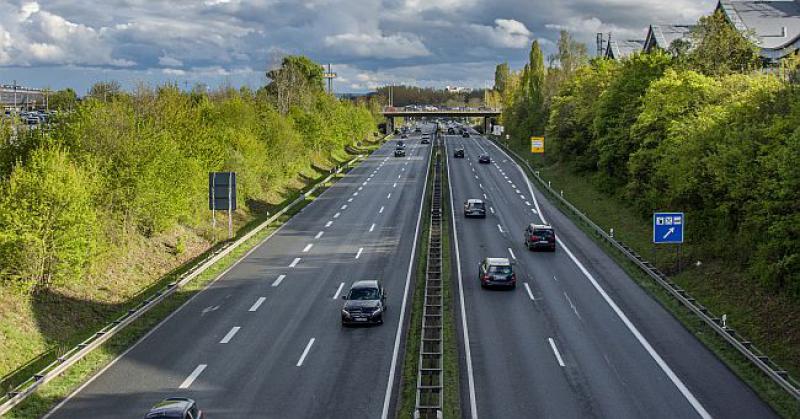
[(668, 227)]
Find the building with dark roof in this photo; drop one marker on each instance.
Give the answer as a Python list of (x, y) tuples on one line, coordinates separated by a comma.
[(662, 36), (774, 23), (618, 50)]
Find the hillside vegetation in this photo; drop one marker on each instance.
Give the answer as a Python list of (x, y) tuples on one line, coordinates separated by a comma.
[(97, 209)]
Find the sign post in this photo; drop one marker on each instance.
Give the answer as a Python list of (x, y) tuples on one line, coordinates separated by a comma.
[(537, 145), (668, 229), (222, 196)]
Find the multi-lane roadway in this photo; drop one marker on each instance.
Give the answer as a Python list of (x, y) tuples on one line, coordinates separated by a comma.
[(577, 337), (265, 339)]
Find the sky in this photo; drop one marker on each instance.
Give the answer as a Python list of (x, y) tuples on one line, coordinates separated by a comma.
[(370, 43)]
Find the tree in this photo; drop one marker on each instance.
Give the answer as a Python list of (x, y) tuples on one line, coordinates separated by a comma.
[(294, 82), (720, 48), (535, 91), (63, 100), (48, 225), (106, 90), (501, 74)]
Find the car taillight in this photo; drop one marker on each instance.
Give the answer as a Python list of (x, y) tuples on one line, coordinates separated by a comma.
[(514, 277), (486, 277), (534, 238)]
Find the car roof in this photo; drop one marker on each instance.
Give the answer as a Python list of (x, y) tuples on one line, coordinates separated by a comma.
[(366, 283), (541, 226), (498, 261), (170, 406), (474, 201)]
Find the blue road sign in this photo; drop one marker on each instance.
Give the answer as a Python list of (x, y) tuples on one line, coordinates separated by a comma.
[(668, 227)]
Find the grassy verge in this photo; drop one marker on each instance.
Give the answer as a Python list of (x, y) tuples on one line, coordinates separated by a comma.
[(720, 288), (408, 389), (48, 395)]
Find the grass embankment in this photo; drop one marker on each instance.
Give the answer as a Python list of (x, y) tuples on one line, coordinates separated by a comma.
[(450, 363), (91, 308), (771, 322)]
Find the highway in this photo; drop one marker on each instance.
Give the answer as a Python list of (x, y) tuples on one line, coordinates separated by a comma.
[(265, 340), (577, 337)]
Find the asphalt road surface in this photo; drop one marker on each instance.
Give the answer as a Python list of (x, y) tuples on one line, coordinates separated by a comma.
[(577, 337), (265, 340)]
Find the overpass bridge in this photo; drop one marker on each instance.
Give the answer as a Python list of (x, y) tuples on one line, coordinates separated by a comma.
[(488, 114)]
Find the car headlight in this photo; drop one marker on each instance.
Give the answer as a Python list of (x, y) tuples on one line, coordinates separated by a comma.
[(377, 311)]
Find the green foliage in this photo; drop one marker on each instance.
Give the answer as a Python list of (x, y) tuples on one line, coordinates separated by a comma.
[(501, 75), (617, 110), (48, 222), (63, 100), (720, 48)]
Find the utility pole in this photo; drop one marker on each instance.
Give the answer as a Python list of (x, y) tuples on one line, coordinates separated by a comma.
[(330, 75)]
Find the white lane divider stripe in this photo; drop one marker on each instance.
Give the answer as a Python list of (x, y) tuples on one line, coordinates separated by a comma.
[(344, 207), (230, 335), (499, 227), (279, 280), (480, 185), (381, 210), (395, 185), (372, 227), (257, 304), (491, 209), (328, 224), (485, 197), (350, 200), (193, 376), (476, 177), (527, 203), (338, 290), (642, 340), (574, 309), (555, 351), (358, 255), (360, 188), (337, 215), (389, 196), (308, 247), (294, 262), (355, 193), (305, 352), (513, 256), (530, 293), (319, 234)]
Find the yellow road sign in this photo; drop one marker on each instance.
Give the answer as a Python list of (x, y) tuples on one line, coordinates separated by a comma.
[(537, 145)]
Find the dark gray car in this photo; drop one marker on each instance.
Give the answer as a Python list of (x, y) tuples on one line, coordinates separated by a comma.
[(175, 407), (365, 303)]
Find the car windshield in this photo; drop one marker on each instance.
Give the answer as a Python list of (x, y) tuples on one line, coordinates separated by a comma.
[(500, 270), (477, 205), (543, 233), (363, 294)]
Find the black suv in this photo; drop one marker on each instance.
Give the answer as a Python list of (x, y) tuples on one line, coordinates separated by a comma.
[(540, 237), (484, 159), (465, 134), (364, 303), (400, 152), (175, 407), (497, 272), (459, 153), (426, 139), (474, 208)]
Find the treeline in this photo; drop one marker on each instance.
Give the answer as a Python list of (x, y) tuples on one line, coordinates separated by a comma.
[(411, 95), (694, 129), (137, 163)]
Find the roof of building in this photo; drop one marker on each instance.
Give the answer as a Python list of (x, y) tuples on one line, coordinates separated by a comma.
[(776, 23), (662, 36), (618, 50)]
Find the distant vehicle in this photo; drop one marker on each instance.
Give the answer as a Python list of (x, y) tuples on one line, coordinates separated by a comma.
[(451, 131), (175, 407), (417, 129), (425, 140), (496, 272), (540, 237), (484, 159), (465, 134), (401, 144), (459, 153), (32, 120), (365, 303), (474, 208), (400, 152), (403, 135)]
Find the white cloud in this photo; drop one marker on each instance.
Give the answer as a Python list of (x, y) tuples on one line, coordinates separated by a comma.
[(377, 45), (507, 33), (168, 61)]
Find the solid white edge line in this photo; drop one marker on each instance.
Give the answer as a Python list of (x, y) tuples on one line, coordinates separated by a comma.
[(278, 280), (358, 255), (308, 247), (230, 335), (305, 352), (193, 376), (473, 405), (555, 351), (653, 354), (338, 290), (393, 368), (530, 293), (642, 340), (257, 304)]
